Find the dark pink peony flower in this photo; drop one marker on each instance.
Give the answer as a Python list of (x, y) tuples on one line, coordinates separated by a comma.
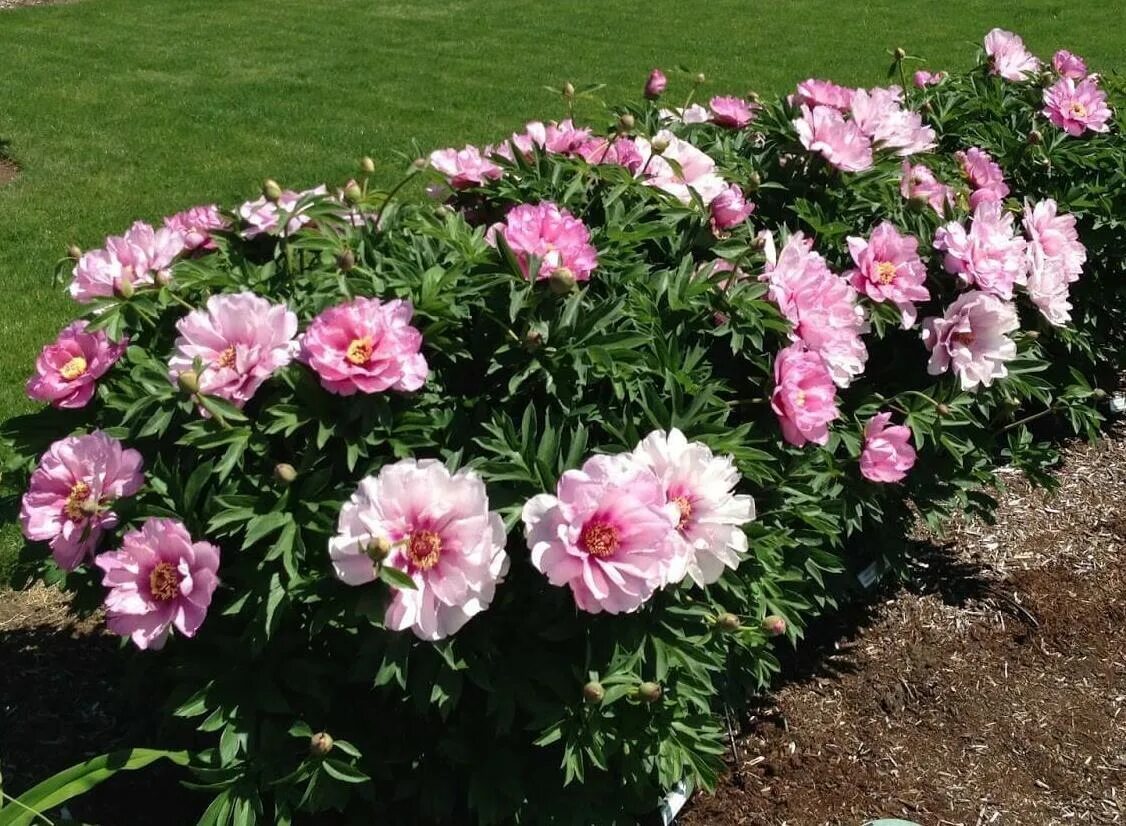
[(888, 268), (1069, 65), (553, 235), (984, 175), (804, 397), (919, 182), (887, 453), (730, 208), (465, 168), (731, 112), (67, 371), (923, 78), (655, 84)]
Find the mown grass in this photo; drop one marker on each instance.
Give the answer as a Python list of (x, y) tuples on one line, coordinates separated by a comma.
[(125, 109)]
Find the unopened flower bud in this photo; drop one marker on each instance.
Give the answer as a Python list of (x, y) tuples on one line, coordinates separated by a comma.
[(626, 122), (285, 473), (700, 78), (533, 340), (649, 692), (774, 625), (568, 91), (1032, 335), (754, 97), (900, 53), (1098, 393), (593, 693), (928, 107), (943, 409), (562, 281), (1035, 138), (419, 164), (728, 622), (353, 194), (367, 165), (272, 190), (163, 278), (346, 261), (659, 145), (125, 288), (188, 381), (379, 549), (74, 251), (320, 744), (754, 181)]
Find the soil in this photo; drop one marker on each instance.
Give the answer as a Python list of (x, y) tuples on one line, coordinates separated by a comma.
[(15, 4), (990, 691), (8, 170)]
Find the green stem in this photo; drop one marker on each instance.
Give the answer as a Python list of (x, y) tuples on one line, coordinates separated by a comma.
[(390, 195), (1030, 418)]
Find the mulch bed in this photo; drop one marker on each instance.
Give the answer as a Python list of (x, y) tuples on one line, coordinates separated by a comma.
[(991, 692)]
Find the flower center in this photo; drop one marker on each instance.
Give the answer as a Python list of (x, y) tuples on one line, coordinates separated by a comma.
[(164, 582), (799, 398), (360, 350), (685, 506), (424, 549), (79, 493), (885, 272), (73, 368), (1077, 109), (599, 539), (965, 339), (226, 358)]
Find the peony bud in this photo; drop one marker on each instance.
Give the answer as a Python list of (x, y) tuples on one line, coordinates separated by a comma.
[(774, 625), (271, 190), (125, 288), (568, 91), (728, 622), (659, 145), (754, 97), (74, 251), (562, 281), (754, 181), (900, 53), (353, 194), (943, 409), (656, 84), (649, 692), (346, 261), (593, 693), (626, 123), (1035, 138), (533, 340), (379, 549), (419, 164), (320, 744), (285, 473), (367, 165), (188, 382), (1098, 393), (163, 278), (1032, 335), (700, 78)]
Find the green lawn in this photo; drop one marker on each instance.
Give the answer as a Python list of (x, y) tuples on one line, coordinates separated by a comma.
[(125, 109)]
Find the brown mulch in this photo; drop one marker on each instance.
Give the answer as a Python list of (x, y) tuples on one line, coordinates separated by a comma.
[(991, 694), (8, 170)]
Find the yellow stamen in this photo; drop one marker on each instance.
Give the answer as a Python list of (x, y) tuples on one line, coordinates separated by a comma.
[(164, 582), (226, 358), (885, 272), (360, 350), (73, 368), (424, 549), (79, 493), (685, 510), (599, 539)]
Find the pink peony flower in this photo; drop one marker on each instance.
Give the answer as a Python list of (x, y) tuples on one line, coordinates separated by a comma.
[(365, 345), (67, 372), (160, 579), (730, 208), (465, 168), (1055, 259), (195, 226), (813, 92), (264, 216), (655, 84), (731, 112), (442, 535), (923, 78), (881, 117), (888, 268), (821, 305), (972, 339), (694, 171), (96, 275), (553, 235), (984, 175), (138, 258), (1069, 65), (1008, 57), (804, 398), (239, 340), (691, 114), (919, 182), (67, 503), (553, 138), (701, 485), (609, 534), (1076, 108), (988, 255), (887, 454), (823, 129), (617, 151)]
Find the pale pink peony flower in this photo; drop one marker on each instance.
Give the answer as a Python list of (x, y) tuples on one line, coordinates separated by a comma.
[(691, 114), (730, 208), (367, 346), (264, 217), (656, 84), (1008, 57), (553, 138), (1077, 108), (701, 485), (823, 129), (67, 371), (465, 168), (923, 78), (1069, 65), (67, 503), (195, 226), (96, 275), (1055, 259), (137, 258), (696, 172), (918, 182), (887, 453), (888, 268), (988, 255), (159, 580), (814, 92), (239, 340), (731, 112), (880, 115), (821, 305), (608, 533), (984, 175), (618, 151), (972, 339), (441, 534), (553, 235), (804, 398)]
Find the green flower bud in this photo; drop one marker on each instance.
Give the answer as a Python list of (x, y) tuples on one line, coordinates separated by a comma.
[(320, 744), (754, 181), (774, 625), (353, 194), (346, 261), (700, 78), (271, 190), (649, 692), (125, 288), (285, 473), (367, 165), (379, 549), (533, 340), (1035, 138), (659, 145), (1098, 393), (943, 409), (626, 122), (900, 53), (728, 622), (568, 91), (593, 693), (74, 251), (1032, 335), (562, 281), (188, 381)]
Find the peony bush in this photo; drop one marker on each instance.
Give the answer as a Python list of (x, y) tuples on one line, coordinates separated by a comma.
[(487, 507)]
